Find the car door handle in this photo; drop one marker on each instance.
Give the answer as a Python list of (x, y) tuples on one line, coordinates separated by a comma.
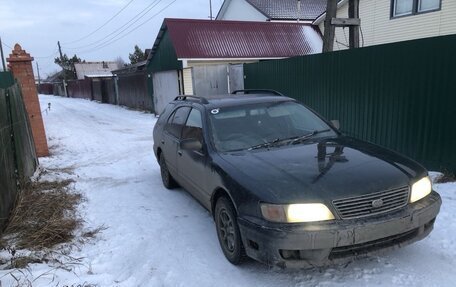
[(179, 153), (162, 141)]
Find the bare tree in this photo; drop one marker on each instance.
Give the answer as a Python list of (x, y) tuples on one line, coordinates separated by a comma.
[(120, 62)]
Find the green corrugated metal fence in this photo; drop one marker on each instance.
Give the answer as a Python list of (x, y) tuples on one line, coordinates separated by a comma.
[(401, 96), (18, 159)]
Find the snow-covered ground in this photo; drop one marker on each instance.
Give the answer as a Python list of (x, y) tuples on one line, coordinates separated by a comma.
[(157, 237)]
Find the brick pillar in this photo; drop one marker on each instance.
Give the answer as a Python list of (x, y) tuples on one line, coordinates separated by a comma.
[(20, 63)]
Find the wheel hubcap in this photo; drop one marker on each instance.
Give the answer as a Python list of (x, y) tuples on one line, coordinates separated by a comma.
[(227, 230)]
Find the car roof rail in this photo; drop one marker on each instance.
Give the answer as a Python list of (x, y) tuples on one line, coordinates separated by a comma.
[(184, 98), (258, 91)]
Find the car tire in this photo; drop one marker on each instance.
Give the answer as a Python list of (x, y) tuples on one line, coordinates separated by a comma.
[(168, 181), (228, 231)]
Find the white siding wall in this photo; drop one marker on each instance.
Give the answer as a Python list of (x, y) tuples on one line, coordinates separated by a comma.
[(188, 81), (378, 28), (241, 10)]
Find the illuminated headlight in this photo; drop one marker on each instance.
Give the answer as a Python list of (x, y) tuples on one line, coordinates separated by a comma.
[(307, 212), (421, 189)]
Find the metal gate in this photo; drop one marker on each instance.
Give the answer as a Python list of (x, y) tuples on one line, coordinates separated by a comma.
[(236, 77), (166, 88), (210, 80)]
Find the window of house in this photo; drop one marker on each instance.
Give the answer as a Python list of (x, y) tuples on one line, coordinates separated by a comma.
[(427, 5), (403, 7), (412, 7)]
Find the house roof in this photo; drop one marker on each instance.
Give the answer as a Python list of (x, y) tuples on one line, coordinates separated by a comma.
[(322, 17), (288, 9), (199, 39), (56, 77), (95, 69), (131, 69)]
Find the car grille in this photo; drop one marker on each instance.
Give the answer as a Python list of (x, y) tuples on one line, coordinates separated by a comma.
[(373, 203), (372, 246)]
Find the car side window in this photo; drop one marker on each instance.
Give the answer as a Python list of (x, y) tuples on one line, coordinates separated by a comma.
[(164, 115), (176, 121), (193, 128)]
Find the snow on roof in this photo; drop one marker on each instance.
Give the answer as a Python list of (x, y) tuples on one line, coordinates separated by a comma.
[(99, 75), (95, 68), (240, 39)]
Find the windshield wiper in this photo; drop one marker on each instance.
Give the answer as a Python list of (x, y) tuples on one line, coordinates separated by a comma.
[(266, 144), (307, 136)]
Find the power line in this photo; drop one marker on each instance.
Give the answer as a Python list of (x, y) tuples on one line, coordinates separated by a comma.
[(103, 25), (123, 36), (135, 19), (38, 57), (7, 45), (46, 57), (113, 38)]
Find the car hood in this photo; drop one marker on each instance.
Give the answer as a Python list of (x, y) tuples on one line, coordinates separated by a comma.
[(320, 171)]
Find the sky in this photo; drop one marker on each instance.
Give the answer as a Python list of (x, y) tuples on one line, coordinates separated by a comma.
[(85, 27)]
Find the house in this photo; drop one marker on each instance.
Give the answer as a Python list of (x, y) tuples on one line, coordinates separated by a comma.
[(95, 69), (387, 21), (202, 57), (270, 10)]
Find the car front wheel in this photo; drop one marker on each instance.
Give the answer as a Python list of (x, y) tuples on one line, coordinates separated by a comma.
[(167, 178), (228, 231)]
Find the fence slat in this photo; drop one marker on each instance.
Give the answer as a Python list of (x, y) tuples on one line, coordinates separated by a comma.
[(8, 188), (18, 160)]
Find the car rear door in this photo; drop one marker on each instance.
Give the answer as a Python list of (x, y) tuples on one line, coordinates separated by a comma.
[(192, 164), (171, 137)]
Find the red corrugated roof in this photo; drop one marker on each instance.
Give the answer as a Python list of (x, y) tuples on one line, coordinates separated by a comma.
[(240, 39)]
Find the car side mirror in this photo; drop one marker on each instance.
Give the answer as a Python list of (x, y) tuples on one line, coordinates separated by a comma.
[(336, 124), (191, 144)]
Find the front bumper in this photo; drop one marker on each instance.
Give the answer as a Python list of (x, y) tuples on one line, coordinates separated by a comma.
[(319, 244)]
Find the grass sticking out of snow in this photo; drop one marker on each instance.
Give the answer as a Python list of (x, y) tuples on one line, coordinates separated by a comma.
[(45, 215), (446, 177), (43, 225)]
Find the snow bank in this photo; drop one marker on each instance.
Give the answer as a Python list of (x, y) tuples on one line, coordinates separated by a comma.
[(157, 237)]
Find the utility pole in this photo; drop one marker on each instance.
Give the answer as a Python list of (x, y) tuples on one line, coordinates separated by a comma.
[(330, 30), (63, 67), (331, 22), (353, 13), (1, 55), (38, 71), (210, 8)]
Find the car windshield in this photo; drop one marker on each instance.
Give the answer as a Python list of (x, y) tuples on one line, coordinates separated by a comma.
[(264, 125)]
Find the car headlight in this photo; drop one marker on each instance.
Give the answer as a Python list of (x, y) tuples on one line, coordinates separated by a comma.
[(421, 189), (292, 213)]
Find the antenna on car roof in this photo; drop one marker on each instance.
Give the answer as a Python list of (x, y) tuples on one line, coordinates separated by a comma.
[(258, 91)]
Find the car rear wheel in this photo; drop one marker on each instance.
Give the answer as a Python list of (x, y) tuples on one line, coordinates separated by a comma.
[(167, 178), (228, 231)]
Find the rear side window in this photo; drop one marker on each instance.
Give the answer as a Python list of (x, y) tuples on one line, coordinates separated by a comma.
[(194, 119), (164, 115), (176, 121), (193, 128)]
